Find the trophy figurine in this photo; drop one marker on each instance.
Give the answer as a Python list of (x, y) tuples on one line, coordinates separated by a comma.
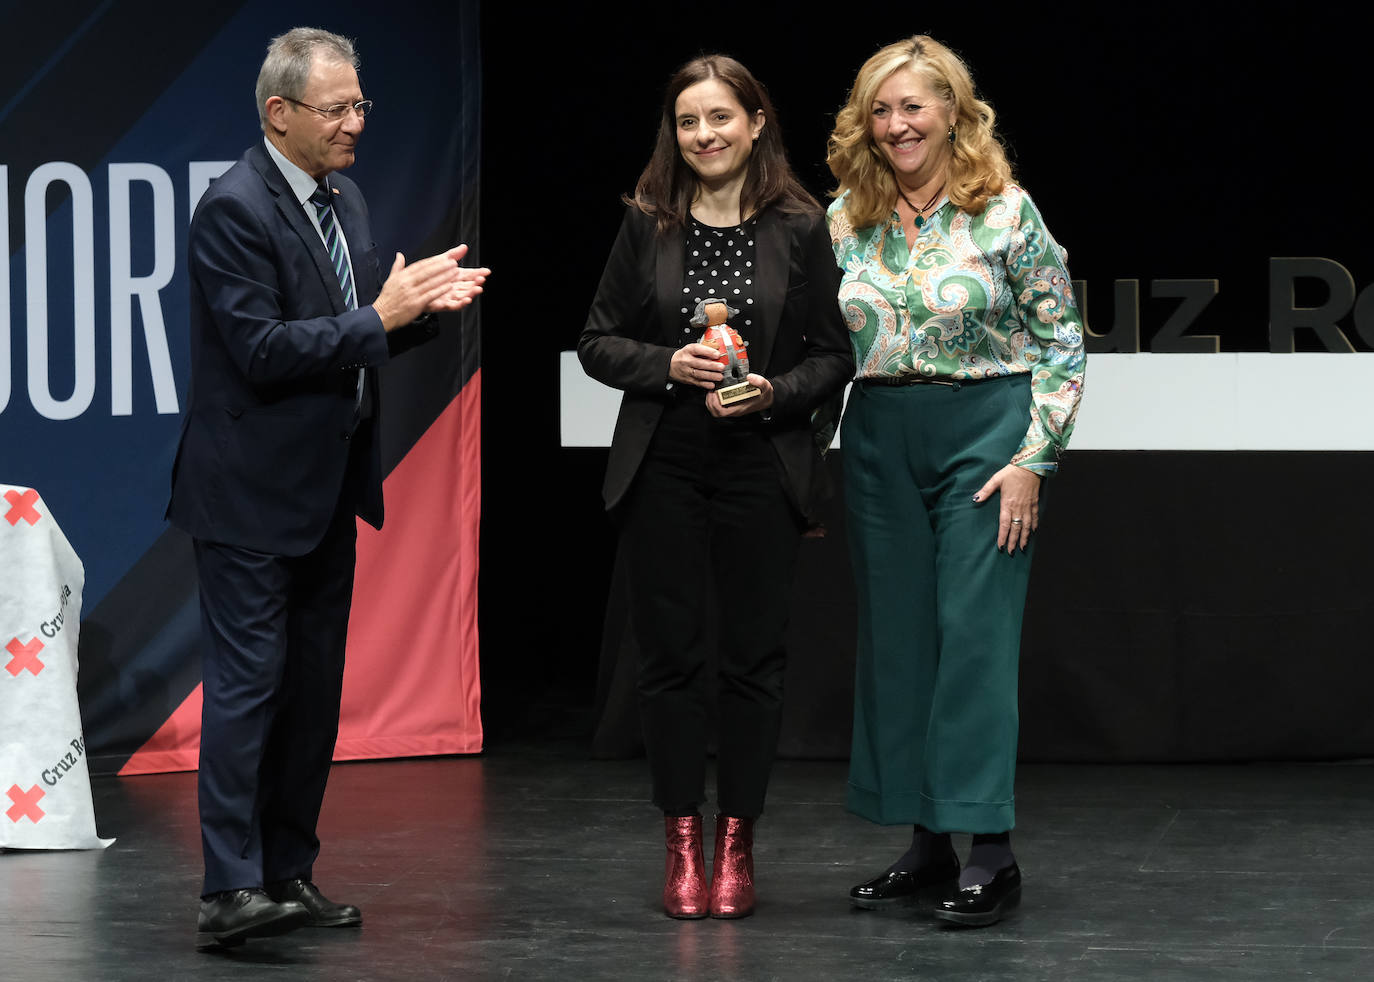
[(712, 314)]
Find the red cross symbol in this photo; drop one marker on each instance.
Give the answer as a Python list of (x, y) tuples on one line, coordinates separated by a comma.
[(25, 656), (25, 803), (21, 506)]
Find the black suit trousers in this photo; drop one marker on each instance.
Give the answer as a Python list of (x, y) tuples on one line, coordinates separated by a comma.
[(710, 541), (274, 630)]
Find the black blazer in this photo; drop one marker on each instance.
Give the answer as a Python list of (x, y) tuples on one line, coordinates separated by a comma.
[(800, 343), (275, 355)]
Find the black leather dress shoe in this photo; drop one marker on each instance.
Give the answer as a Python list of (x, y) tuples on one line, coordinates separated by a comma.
[(323, 911), (979, 906), (230, 918), (900, 887)]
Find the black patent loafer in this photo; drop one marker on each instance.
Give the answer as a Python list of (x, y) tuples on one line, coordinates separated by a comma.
[(323, 911), (898, 888), (979, 906), (230, 918)]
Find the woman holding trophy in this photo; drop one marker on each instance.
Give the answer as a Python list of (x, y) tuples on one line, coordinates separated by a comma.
[(716, 316)]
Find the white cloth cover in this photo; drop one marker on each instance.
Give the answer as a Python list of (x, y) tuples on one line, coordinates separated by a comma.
[(45, 788)]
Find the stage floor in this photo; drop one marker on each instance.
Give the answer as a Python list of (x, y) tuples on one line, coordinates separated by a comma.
[(542, 864)]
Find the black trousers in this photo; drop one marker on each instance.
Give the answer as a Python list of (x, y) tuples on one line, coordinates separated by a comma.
[(710, 539), (274, 629)]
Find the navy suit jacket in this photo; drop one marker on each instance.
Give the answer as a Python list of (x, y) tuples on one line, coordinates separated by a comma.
[(275, 353)]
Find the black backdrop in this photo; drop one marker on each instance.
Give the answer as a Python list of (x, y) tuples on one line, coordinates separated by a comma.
[(1185, 605)]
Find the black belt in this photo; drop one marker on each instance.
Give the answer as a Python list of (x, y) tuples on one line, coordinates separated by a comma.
[(916, 379)]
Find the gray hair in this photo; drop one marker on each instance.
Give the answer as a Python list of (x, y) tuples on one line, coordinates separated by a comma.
[(286, 69)]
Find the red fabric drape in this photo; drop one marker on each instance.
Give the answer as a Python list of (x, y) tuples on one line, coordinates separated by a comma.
[(411, 683)]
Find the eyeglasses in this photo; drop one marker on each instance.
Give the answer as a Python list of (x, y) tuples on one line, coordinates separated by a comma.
[(336, 113)]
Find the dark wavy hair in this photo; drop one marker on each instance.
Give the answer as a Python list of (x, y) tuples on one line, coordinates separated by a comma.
[(667, 186)]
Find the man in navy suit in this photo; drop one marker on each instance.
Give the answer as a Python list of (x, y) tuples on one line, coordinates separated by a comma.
[(290, 317)]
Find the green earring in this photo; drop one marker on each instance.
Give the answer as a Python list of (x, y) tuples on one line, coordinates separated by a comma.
[(951, 136)]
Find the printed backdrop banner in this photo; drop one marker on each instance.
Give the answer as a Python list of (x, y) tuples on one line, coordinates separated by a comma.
[(117, 118), (45, 788)]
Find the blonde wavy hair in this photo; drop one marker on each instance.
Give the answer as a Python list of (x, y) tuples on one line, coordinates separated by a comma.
[(979, 167)]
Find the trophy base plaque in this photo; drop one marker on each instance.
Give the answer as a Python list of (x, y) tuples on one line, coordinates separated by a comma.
[(739, 392)]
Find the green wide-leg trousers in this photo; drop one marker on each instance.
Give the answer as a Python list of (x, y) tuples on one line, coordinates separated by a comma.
[(939, 606)]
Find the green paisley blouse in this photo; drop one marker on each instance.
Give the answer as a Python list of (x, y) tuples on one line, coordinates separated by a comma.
[(974, 297)]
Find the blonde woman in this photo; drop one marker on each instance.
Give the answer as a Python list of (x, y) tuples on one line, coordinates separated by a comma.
[(969, 369)]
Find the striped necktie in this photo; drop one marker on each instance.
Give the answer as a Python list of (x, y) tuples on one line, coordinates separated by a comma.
[(333, 241)]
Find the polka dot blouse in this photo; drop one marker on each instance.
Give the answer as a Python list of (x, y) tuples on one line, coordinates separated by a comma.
[(719, 263)]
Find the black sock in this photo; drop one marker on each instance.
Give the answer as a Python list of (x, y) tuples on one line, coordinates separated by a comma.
[(989, 854), (927, 847)]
